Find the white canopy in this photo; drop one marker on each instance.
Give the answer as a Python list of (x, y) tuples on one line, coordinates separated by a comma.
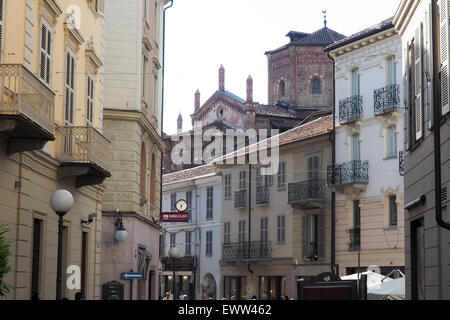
[(373, 278), (395, 287)]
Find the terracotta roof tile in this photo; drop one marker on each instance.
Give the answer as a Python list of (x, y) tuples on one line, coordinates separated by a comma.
[(192, 173)]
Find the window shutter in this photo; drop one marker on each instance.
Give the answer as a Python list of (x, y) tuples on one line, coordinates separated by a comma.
[(444, 37), (304, 238), (418, 52), (406, 98), (321, 236)]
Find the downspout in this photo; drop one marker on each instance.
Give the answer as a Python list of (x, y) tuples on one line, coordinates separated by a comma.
[(333, 161), (18, 185), (437, 127), (249, 212)]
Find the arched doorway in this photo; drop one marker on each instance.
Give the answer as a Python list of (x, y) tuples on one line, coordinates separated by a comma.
[(209, 288)]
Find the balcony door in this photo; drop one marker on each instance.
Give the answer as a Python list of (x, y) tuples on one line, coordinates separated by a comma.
[(356, 148), (355, 82), (313, 176), (69, 101)]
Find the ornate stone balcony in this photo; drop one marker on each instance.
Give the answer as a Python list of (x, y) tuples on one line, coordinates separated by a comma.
[(307, 194), (26, 109), (84, 153), (386, 99), (354, 174), (256, 250), (350, 109), (240, 199)]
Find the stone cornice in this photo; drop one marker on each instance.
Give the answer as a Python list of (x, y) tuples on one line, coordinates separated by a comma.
[(135, 116), (404, 14), (56, 10), (73, 34), (90, 53)]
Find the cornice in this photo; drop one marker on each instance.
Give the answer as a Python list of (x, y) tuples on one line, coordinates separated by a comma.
[(90, 53), (135, 116), (53, 6), (74, 34), (404, 14)]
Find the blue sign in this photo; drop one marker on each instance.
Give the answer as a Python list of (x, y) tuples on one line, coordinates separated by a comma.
[(130, 275)]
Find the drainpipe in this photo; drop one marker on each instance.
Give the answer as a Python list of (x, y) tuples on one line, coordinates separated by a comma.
[(249, 212), (437, 127), (333, 161)]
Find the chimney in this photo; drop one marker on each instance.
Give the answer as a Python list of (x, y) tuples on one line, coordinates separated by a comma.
[(222, 78), (197, 100), (179, 123), (249, 89)]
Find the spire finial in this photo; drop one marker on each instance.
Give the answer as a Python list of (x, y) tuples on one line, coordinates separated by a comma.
[(324, 18)]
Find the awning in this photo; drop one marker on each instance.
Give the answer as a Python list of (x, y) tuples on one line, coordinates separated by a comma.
[(177, 273), (395, 287), (373, 278)]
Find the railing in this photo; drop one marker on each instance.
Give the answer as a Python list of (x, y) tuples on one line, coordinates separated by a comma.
[(83, 145), (22, 93), (356, 171), (401, 163), (386, 99), (355, 239), (307, 190), (240, 199), (240, 250), (262, 195), (350, 109)]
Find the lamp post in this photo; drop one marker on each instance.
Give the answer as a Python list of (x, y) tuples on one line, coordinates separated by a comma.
[(174, 253), (121, 233), (61, 202)]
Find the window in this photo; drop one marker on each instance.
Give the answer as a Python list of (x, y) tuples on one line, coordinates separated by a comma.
[(241, 231), (243, 180), (226, 232), (144, 78), (145, 8), (355, 232), (356, 148), (46, 39), (281, 89), (442, 57), (392, 207), (209, 203), (156, 19), (69, 88), (189, 203), (227, 185), (281, 176), (313, 176), (173, 201), (355, 82), (264, 229), (90, 100), (391, 72), (188, 245), (313, 237), (316, 86), (272, 288), (391, 142), (417, 261), (143, 171), (36, 259), (173, 238), (209, 240), (281, 228), (155, 95)]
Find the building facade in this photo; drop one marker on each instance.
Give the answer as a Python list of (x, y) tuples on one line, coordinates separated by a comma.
[(424, 29), (132, 122), (197, 270), (368, 141), (51, 138), (276, 228)]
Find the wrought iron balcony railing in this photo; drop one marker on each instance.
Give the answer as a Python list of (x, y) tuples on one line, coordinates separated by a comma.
[(244, 250), (307, 190), (83, 145), (262, 195), (240, 199), (401, 163), (355, 239), (23, 94), (350, 109), (356, 171), (386, 99)]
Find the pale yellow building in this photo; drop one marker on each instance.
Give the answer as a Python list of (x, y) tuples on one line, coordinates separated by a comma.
[(286, 236), (51, 138)]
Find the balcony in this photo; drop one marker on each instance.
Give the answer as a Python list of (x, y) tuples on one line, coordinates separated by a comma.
[(262, 196), (240, 251), (401, 163), (240, 199), (350, 109), (349, 174), (355, 239), (307, 194), (26, 109), (84, 153), (386, 99)]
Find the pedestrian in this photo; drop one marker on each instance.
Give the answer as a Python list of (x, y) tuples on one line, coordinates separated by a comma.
[(181, 297), (233, 298), (79, 296), (253, 297), (167, 297)]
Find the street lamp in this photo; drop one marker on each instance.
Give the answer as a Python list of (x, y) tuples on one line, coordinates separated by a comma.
[(61, 202), (121, 233), (174, 253)]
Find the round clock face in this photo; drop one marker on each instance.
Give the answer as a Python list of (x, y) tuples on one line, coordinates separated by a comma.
[(181, 205)]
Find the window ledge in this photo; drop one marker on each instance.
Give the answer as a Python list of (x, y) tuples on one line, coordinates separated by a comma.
[(390, 158), (281, 188), (390, 228)]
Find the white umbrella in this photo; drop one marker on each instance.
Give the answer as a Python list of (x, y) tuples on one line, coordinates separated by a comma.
[(373, 278), (395, 287)]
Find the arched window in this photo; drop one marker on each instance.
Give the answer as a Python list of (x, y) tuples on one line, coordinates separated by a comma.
[(143, 172), (281, 89), (153, 181), (316, 86)]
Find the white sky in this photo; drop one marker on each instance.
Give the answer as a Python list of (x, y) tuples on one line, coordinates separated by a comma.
[(203, 34)]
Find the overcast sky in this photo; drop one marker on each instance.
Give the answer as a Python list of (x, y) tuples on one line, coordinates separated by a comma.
[(203, 34)]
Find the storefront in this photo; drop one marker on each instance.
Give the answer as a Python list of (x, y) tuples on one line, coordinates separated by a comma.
[(178, 277), (235, 286), (272, 288)]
